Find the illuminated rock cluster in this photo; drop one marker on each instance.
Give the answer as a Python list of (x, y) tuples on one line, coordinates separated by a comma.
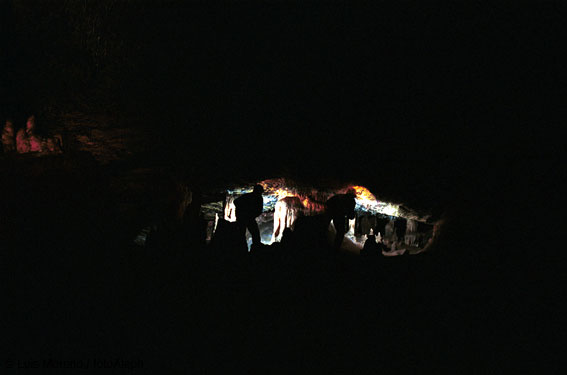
[(26, 140), (285, 201)]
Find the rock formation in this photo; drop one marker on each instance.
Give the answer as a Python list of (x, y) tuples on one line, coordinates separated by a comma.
[(285, 214), (8, 141)]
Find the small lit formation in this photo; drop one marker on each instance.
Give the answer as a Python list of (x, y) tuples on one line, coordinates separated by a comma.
[(366, 201), (26, 140)]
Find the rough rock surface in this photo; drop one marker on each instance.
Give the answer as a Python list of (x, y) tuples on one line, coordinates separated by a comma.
[(102, 137), (285, 214)]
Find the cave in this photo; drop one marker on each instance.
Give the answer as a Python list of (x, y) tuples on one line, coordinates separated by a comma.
[(129, 129), (285, 200)]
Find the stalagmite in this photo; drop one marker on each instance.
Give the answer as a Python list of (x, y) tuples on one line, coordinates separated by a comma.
[(22, 142), (284, 204), (286, 212), (367, 222), (381, 225), (351, 227), (389, 231), (8, 141), (436, 230), (411, 233), (35, 141), (52, 145), (400, 225), (230, 210), (27, 140)]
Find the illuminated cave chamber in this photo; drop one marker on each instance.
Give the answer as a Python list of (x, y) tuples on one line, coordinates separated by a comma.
[(400, 228)]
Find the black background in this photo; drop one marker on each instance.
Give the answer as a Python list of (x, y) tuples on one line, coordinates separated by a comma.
[(430, 102), (449, 107)]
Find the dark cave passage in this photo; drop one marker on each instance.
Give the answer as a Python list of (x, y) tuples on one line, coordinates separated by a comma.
[(423, 136)]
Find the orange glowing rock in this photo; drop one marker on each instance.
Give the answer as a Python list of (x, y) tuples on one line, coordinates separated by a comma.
[(363, 194)]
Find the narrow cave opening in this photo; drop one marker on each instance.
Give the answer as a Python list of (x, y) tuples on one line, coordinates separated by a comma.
[(401, 229)]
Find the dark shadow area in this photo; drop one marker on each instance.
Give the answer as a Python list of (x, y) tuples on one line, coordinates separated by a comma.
[(79, 287), (452, 110)]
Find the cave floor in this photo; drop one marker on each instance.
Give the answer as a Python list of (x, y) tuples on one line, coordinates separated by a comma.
[(79, 288)]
